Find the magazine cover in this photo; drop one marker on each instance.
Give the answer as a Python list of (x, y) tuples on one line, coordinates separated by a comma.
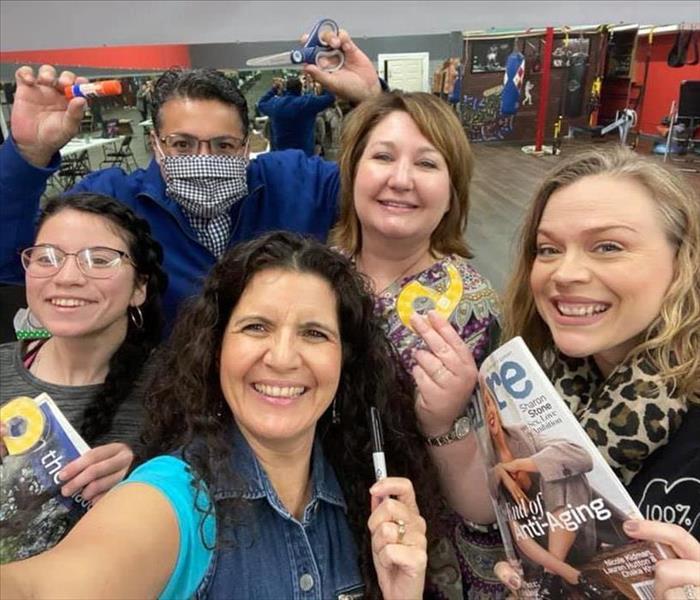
[(33, 513), (560, 507)]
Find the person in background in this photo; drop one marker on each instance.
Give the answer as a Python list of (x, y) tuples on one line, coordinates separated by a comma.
[(606, 293), (405, 171), (199, 194), (327, 130), (264, 485), (93, 280), (142, 100), (293, 114), (96, 108)]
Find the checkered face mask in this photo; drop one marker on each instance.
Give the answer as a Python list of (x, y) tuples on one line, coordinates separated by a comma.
[(205, 185)]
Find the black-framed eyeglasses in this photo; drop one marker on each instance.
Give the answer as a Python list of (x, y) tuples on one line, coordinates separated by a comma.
[(98, 262), (183, 143)]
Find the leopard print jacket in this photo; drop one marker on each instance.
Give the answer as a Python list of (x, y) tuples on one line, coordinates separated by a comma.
[(628, 415)]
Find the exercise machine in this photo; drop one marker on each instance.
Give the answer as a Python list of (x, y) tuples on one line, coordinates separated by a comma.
[(625, 120)]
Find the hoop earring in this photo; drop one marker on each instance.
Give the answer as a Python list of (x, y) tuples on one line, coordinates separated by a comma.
[(335, 415), (136, 316)]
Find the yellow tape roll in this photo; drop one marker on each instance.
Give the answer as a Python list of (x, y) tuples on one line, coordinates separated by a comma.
[(445, 303), (23, 408)]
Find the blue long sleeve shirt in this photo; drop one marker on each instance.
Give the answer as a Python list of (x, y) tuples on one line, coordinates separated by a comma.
[(286, 190), (293, 117)]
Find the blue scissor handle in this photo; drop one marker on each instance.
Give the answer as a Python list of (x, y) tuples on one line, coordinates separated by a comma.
[(315, 48), (323, 25)]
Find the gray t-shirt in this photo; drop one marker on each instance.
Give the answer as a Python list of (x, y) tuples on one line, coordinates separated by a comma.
[(16, 380), (30, 521)]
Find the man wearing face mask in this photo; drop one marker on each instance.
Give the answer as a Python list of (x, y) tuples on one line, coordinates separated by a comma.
[(200, 193)]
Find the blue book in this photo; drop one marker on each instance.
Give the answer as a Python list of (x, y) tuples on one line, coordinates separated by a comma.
[(34, 515)]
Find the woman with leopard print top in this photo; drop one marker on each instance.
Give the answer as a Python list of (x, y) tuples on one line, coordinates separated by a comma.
[(606, 293)]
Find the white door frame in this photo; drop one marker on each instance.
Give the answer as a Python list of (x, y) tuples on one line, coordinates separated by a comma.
[(424, 56)]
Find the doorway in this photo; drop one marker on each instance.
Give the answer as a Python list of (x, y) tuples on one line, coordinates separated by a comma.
[(407, 71)]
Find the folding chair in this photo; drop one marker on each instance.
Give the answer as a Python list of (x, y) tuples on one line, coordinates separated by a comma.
[(73, 167), (110, 129), (123, 157), (86, 124)]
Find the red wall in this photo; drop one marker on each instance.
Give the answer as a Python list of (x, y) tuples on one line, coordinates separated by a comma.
[(662, 85), (663, 82), (122, 57)]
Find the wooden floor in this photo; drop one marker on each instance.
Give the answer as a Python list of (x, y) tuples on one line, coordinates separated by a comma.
[(504, 181)]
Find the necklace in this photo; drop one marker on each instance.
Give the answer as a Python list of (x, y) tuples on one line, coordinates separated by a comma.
[(36, 354), (399, 277)]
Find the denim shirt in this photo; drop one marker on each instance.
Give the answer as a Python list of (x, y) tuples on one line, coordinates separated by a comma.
[(279, 556)]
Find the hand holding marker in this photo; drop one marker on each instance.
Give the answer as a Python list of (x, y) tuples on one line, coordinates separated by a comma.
[(377, 444)]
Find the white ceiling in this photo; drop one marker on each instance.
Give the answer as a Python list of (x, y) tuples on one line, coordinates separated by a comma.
[(38, 24)]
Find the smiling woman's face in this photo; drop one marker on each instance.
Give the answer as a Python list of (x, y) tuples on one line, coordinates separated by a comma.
[(602, 268), (281, 356), (70, 304), (491, 415), (402, 185)]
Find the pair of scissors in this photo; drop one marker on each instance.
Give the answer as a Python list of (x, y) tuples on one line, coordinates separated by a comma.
[(314, 52)]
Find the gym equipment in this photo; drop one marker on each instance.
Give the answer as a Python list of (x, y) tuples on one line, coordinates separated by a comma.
[(625, 119), (678, 57), (512, 82), (597, 86), (688, 114), (575, 79)]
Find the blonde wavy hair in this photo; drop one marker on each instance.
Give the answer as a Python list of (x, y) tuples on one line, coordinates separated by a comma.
[(441, 127), (672, 340)]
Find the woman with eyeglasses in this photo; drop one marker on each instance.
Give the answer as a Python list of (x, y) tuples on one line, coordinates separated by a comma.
[(261, 484), (94, 281)]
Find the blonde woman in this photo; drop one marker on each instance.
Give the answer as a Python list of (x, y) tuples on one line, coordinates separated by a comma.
[(606, 293)]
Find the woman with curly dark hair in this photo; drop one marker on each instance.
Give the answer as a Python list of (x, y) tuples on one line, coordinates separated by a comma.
[(93, 280), (261, 405)]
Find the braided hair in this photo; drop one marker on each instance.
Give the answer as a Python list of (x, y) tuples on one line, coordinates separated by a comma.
[(127, 362)]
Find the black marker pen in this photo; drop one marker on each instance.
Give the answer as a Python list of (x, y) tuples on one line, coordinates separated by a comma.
[(377, 444)]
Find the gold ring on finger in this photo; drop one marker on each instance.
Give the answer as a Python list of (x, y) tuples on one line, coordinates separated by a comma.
[(438, 372), (402, 530)]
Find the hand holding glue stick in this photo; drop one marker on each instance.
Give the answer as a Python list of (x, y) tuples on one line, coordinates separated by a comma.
[(111, 87), (44, 119)]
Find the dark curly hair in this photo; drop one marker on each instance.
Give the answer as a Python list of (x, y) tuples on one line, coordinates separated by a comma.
[(183, 401), (128, 361), (198, 84)]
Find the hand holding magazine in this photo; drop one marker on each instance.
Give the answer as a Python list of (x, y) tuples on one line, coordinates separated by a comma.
[(559, 506), (39, 442)]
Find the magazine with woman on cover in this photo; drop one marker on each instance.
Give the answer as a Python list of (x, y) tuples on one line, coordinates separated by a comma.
[(559, 506)]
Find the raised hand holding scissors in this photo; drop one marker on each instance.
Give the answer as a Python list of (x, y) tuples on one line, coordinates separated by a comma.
[(315, 51), (354, 80)]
